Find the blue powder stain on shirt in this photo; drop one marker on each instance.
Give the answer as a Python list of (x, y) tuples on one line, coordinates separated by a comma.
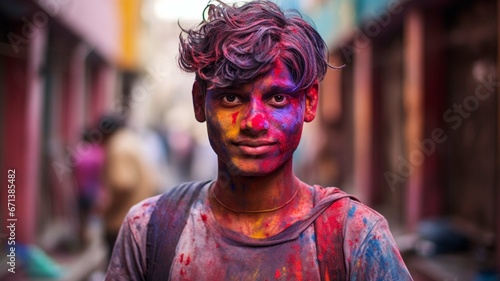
[(374, 248), (365, 221), (351, 211), (382, 257)]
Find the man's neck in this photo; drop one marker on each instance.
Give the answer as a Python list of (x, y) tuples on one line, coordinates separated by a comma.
[(256, 193)]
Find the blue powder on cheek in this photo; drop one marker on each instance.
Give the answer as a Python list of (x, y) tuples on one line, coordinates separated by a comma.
[(287, 116), (351, 211)]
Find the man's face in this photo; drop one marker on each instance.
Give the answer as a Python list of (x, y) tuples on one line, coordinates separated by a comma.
[(255, 128)]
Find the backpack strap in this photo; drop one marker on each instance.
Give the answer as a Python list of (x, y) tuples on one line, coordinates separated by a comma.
[(329, 230), (165, 227)]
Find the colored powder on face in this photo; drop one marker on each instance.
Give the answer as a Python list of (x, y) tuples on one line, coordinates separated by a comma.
[(258, 122), (234, 116), (220, 124)]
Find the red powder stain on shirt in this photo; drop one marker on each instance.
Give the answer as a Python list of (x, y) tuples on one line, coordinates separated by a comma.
[(136, 217), (188, 260), (204, 217), (181, 258), (277, 274), (296, 264), (234, 116), (183, 271)]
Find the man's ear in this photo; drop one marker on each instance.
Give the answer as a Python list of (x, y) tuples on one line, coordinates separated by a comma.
[(312, 96), (199, 102)]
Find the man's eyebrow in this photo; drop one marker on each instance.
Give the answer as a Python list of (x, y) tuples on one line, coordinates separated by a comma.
[(270, 90), (228, 89), (277, 88)]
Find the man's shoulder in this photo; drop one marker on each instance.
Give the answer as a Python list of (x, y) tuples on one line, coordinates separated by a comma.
[(145, 208), (355, 214), (360, 216), (362, 222), (142, 210), (355, 208)]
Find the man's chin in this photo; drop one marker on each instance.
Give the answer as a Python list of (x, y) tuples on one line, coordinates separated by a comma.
[(249, 169), (249, 172)]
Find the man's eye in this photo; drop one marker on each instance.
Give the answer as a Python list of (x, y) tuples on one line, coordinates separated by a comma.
[(279, 100), (231, 99)]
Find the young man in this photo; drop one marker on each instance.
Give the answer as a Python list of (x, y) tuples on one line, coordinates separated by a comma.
[(257, 73)]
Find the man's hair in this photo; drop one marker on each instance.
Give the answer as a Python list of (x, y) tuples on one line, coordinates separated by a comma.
[(235, 44)]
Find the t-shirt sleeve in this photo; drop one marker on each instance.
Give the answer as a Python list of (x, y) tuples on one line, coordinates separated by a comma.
[(371, 251), (128, 260)]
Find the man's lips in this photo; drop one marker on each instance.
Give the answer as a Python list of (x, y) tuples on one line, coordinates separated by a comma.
[(255, 147)]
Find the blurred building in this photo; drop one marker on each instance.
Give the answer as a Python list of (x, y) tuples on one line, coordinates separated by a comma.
[(410, 124), (63, 63)]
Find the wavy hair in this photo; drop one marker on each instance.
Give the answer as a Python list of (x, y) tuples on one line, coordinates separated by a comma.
[(235, 44)]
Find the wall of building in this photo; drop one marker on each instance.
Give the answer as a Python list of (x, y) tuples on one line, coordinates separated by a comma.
[(59, 72)]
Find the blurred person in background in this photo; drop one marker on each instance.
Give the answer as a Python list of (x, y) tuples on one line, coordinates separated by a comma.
[(88, 177), (257, 73), (128, 176)]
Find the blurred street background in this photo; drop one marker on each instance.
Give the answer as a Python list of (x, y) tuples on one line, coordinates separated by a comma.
[(410, 125)]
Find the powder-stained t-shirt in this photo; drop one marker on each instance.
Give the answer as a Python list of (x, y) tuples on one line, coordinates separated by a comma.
[(208, 251)]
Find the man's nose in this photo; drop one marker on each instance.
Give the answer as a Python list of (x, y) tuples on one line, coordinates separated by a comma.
[(255, 120)]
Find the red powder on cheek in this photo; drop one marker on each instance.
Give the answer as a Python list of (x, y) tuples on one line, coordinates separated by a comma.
[(234, 116)]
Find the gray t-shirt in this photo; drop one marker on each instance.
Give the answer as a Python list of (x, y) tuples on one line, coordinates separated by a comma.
[(208, 251)]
